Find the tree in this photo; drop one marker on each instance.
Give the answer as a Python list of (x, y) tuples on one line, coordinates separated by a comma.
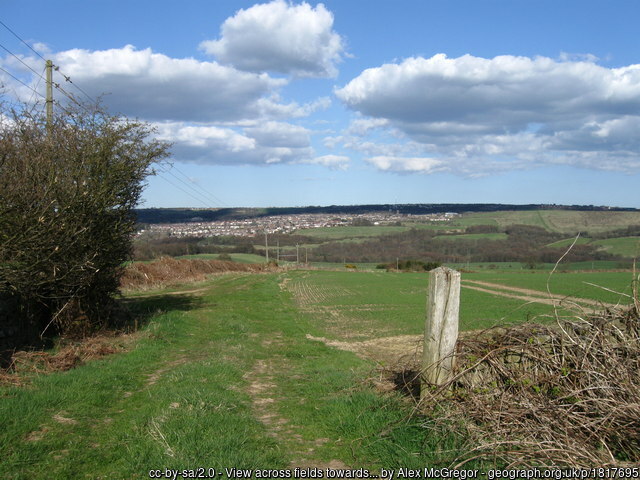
[(67, 194)]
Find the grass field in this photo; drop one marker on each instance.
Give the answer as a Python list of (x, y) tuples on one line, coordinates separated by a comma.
[(265, 370), (575, 284), (473, 236), (236, 257), (625, 246), (562, 221), (223, 377), (367, 305), (334, 233)]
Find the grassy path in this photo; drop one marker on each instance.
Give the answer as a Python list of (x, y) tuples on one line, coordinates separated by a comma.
[(219, 378)]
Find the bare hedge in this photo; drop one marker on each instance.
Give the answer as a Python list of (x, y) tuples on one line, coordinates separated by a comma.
[(67, 193)]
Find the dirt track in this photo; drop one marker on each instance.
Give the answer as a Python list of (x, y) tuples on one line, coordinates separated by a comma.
[(534, 296)]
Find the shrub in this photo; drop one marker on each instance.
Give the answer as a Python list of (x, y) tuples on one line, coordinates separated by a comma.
[(67, 193)]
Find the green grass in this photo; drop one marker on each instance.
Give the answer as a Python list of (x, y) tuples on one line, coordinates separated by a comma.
[(473, 236), (372, 305), (236, 257), (185, 396), (334, 233), (567, 242), (341, 266), (208, 368), (121, 423), (628, 247), (600, 265), (486, 265), (571, 283), (562, 221), (625, 246)]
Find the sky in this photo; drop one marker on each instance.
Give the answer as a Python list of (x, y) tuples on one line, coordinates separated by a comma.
[(345, 102)]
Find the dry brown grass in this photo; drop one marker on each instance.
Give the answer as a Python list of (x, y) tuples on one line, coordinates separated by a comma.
[(535, 395), (168, 271), (72, 354)]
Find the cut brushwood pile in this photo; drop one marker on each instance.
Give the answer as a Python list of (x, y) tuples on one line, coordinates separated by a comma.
[(532, 395)]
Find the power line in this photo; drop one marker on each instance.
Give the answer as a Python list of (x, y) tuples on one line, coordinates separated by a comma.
[(57, 68), (68, 79), (18, 37), (196, 192), (18, 80), (38, 84), (203, 194), (193, 185), (62, 107), (20, 60), (183, 190), (68, 95), (204, 197)]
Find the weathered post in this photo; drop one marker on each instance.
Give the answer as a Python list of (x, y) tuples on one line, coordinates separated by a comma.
[(441, 331)]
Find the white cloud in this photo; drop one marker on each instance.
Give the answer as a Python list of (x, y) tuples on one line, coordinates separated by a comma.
[(214, 114), (17, 79), (280, 37), (154, 86), (407, 164), (279, 134), (508, 111), (334, 162), (207, 137), (361, 126), (274, 142)]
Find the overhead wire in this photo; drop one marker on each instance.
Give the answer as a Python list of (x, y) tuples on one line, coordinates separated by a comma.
[(68, 79), (20, 81), (68, 95), (38, 75), (202, 198), (19, 38), (20, 60), (184, 191), (56, 67), (195, 188), (37, 85)]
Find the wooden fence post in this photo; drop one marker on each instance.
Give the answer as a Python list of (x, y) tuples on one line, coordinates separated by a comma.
[(441, 331)]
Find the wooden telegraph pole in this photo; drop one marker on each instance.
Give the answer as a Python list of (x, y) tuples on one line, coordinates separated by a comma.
[(49, 93), (441, 329)]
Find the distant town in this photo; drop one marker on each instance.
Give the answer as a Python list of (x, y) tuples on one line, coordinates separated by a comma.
[(247, 227)]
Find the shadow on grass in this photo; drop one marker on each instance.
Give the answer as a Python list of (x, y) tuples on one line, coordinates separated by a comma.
[(141, 309), (126, 315)]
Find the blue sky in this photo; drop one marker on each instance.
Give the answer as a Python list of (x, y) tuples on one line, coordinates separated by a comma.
[(351, 102)]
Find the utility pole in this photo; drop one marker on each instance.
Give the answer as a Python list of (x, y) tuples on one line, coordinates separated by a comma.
[(49, 98), (297, 255), (266, 245), (278, 250)]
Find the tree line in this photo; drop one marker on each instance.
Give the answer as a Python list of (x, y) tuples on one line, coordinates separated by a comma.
[(524, 243)]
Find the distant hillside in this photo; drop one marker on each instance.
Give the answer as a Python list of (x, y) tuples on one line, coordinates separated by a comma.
[(180, 215)]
